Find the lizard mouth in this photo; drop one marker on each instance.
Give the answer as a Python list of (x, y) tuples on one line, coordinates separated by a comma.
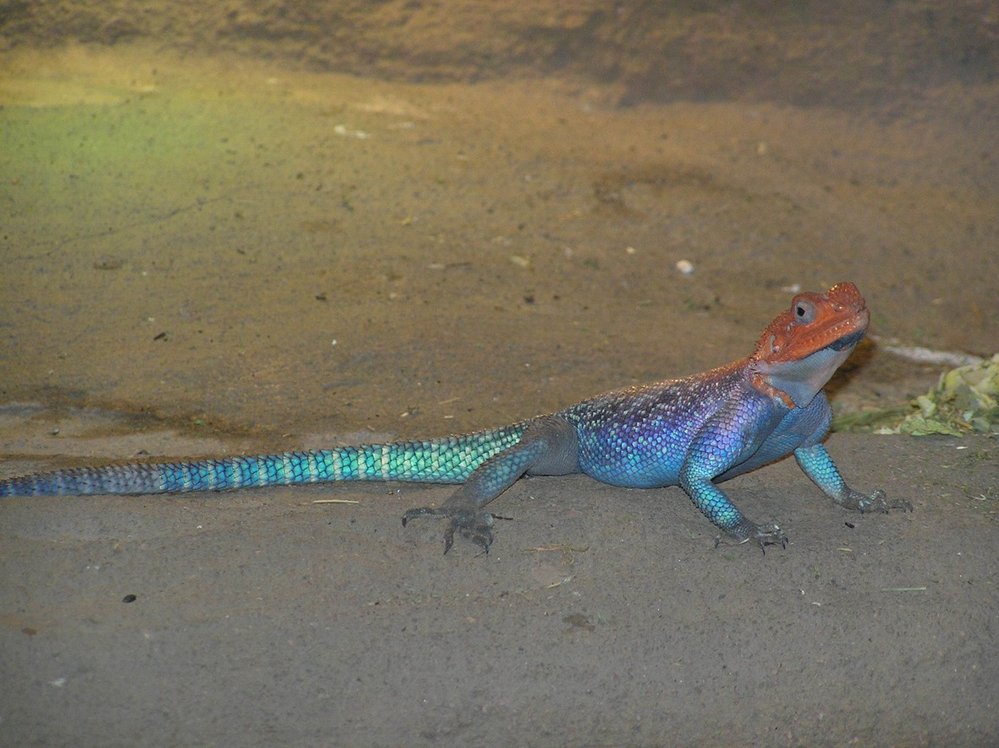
[(847, 340)]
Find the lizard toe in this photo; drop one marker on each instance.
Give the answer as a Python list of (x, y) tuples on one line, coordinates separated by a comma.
[(764, 535), (423, 511), (876, 503), (473, 525), (769, 534)]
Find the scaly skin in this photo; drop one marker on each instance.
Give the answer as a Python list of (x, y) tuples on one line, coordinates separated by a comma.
[(692, 432)]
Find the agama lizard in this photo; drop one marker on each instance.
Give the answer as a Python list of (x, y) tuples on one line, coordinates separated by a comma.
[(693, 432)]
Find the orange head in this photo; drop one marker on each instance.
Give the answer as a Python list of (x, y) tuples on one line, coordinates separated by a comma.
[(838, 319), (804, 346)]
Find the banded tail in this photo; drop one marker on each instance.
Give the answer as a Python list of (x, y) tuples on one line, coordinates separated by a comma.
[(450, 459)]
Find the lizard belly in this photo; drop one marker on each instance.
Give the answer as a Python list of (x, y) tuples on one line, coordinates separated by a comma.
[(633, 475), (647, 454)]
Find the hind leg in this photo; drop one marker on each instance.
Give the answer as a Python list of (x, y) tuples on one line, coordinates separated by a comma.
[(548, 447)]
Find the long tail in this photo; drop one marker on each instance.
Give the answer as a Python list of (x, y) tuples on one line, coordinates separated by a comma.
[(447, 460)]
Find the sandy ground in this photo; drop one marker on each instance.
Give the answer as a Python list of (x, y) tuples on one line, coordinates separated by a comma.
[(209, 255)]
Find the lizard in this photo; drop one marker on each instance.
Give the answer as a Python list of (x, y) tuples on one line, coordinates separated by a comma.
[(693, 432)]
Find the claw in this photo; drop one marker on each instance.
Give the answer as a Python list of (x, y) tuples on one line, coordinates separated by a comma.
[(473, 525), (770, 535), (903, 505), (877, 502), (765, 541), (423, 511), (764, 535), (448, 537)]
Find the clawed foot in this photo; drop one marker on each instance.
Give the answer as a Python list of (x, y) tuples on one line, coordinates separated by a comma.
[(471, 524), (764, 535), (876, 502)]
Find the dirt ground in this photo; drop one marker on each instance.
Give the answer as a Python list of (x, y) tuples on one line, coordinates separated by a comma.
[(223, 249)]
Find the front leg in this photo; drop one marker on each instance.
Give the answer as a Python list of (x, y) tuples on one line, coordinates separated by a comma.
[(718, 508), (548, 447), (818, 465), (726, 441)]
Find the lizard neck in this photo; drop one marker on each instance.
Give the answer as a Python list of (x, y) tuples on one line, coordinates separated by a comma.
[(796, 383)]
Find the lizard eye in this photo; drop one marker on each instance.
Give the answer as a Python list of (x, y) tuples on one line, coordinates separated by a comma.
[(804, 312)]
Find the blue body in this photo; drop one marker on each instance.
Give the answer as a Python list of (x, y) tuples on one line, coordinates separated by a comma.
[(697, 431)]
